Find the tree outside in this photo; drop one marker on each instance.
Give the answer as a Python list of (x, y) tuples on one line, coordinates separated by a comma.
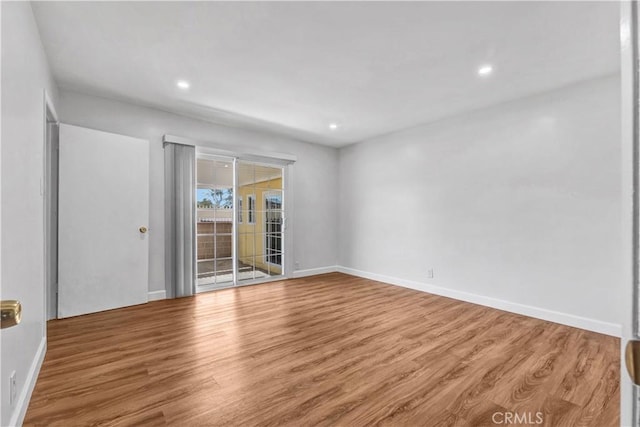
[(218, 198)]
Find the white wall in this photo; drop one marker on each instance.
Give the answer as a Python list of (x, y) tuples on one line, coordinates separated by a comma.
[(520, 202), (25, 74), (315, 173)]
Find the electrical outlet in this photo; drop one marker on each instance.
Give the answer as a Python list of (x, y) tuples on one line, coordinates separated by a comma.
[(12, 389), (297, 264), (430, 273)]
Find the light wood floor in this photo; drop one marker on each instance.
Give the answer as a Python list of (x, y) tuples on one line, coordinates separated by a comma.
[(324, 350)]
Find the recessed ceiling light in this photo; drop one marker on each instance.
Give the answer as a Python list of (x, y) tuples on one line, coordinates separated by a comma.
[(333, 126), (485, 70), (183, 84)]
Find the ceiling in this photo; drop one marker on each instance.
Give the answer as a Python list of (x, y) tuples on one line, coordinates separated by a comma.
[(295, 67)]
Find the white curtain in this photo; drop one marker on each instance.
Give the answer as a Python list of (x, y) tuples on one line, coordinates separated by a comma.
[(180, 241)]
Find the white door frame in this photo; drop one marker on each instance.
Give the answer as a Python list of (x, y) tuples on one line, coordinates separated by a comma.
[(48, 169)]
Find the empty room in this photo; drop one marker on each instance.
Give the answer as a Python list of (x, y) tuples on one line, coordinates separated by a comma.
[(319, 213)]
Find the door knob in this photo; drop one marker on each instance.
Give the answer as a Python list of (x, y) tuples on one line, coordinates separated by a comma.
[(632, 358), (143, 229), (10, 313)]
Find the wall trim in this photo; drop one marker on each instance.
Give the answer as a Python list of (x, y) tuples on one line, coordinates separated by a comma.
[(17, 418), (601, 327), (156, 295), (315, 271)]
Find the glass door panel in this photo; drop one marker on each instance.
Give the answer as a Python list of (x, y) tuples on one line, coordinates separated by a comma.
[(273, 231), (260, 254), (214, 223)]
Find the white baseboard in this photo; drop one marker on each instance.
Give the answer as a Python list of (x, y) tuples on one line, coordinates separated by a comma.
[(25, 395), (156, 295), (314, 271), (612, 329)]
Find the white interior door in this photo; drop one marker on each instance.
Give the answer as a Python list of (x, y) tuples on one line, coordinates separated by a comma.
[(103, 203)]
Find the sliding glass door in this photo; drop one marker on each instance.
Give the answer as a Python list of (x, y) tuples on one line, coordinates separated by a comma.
[(240, 222)]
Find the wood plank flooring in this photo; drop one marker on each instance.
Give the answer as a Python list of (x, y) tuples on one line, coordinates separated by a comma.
[(325, 350)]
